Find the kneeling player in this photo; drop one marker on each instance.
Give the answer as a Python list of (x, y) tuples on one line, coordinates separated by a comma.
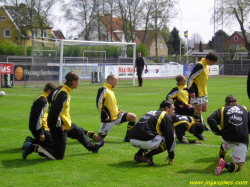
[(234, 123), (154, 131), (186, 123)]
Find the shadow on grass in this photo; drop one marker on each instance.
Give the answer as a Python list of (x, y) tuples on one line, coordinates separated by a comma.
[(11, 151), (208, 170), (133, 164), (19, 163)]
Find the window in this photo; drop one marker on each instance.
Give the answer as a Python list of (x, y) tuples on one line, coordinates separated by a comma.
[(6, 33), (45, 34), (2, 17), (161, 45), (236, 38), (36, 33)]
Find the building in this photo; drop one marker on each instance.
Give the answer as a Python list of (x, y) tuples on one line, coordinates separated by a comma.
[(236, 40), (18, 30), (111, 29)]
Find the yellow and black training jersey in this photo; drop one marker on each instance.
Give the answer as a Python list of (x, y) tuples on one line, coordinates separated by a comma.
[(59, 108), (182, 124), (198, 79), (38, 114), (106, 103), (234, 123), (152, 124), (179, 93)]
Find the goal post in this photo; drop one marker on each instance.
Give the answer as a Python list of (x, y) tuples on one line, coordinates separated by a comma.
[(52, 60), (93, 43)]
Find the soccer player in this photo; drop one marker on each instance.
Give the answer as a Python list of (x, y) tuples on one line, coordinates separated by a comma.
[(234, 129), (140, 62), (110, 115), (180, 97), (154, 131), (38, 118), (60, 124), (197, 85), (184, 123)]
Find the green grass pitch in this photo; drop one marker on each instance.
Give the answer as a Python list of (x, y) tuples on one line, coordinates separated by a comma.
[(114, 164)]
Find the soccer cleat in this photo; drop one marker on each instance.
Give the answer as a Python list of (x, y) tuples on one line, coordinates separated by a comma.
[(26, 149), (98, 146), (147, 160), (126, 140), (29, 139), (138, 158), (206, 128), (220, 167)]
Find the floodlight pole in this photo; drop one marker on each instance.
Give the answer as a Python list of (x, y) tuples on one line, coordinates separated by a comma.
[(61, 62), (134, 54)]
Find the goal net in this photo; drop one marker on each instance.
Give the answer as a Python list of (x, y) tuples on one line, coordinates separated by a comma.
[(92, 60)]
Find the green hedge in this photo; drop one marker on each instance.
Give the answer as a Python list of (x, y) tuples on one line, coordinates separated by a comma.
[(7, 47)]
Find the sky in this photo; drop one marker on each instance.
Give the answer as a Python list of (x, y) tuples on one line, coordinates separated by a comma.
[(195, 16)]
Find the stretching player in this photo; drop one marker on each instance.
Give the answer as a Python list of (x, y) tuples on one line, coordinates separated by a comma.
[(110, 115), (154, 131), (186, 123), (234, 129), (197, 85)]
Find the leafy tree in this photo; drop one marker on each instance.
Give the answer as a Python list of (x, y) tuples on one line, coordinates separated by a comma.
[(161, 12), (218, 40), (174, 42), (200, 47)]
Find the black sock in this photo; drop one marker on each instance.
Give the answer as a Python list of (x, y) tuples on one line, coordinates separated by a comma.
[(222, 152), (33, 147), (141, 151), (232, 167), (154, 152), (197, 118), (90, 134), (129, 127)]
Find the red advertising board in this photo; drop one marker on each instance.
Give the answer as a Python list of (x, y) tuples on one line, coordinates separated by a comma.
[(6, 75), (6, 68)]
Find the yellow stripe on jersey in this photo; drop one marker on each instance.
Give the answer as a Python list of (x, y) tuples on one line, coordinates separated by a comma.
[(158, 129), (222, 118)]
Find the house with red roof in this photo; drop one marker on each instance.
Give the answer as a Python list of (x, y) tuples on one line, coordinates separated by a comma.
[(111, 29)]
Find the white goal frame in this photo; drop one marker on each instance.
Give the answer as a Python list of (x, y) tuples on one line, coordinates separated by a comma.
[(93, 51), (79, 42)]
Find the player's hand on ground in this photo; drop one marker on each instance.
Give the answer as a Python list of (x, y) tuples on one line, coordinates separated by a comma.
[(170, 161)]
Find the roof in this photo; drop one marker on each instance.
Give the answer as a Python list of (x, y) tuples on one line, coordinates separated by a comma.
[(149, 38), (204, 46), (58, 34), (117, 24), (241, 35)]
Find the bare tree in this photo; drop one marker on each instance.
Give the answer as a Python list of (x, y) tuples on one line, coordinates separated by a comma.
[(43, 14), (162, 11), (146, 16), (232, 11), (82, 13), (195, 39)]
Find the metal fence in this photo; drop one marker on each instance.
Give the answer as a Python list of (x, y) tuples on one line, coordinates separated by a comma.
[(234, 69)]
